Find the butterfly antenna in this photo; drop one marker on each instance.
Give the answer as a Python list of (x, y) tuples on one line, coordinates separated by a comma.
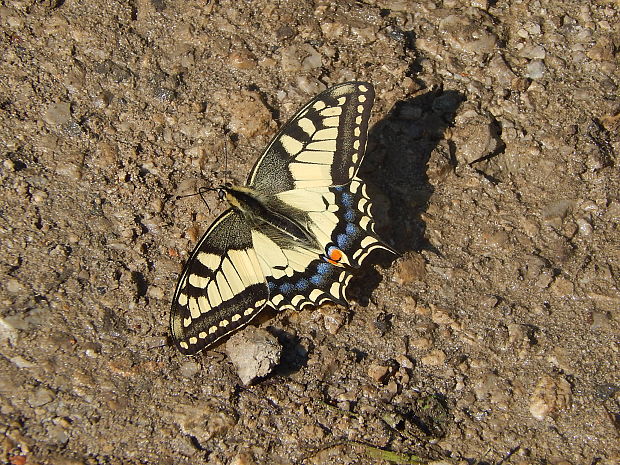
[(201, 192), (226, 160)]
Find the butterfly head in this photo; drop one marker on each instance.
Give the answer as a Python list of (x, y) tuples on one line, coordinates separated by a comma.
[(222, 191)]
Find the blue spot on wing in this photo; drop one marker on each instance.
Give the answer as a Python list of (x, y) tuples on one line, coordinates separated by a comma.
[(285, 288), (349, 215), (351, 229), (343, 241), (321, 270), (302, 284), (347, 199)]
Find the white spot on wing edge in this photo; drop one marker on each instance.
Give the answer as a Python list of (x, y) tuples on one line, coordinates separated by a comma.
[(315, 294), (335, 290), (367, 241), (364, 222)]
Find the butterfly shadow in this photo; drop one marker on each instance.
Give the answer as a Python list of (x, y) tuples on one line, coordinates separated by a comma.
[(404, 148)]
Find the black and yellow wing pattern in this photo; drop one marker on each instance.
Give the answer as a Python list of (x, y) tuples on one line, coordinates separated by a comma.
[(294, 235)]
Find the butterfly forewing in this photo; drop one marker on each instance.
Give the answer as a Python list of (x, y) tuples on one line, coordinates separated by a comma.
[(322, 145), (221, 288)]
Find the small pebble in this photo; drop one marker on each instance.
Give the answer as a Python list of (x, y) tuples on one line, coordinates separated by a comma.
[(533, 52), (203, 420), (333, 318), (242, 60), (57, 114), (189, 369), (378, 372), (41, 397), (434, 358), (536, 69), (474, 135), (410, 269), (155, 292), (550, 396), (254, 352)]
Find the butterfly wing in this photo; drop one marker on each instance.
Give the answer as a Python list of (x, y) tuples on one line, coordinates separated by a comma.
[(309, 169), (222, 286), (322, 145), (340, 218)]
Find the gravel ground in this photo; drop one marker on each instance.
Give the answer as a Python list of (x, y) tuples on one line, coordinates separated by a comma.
[(493, 155)]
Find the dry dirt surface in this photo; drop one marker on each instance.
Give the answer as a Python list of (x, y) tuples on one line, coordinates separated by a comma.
[(493, 159)]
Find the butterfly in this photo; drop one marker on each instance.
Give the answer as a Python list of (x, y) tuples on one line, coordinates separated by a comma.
[(294, 234)]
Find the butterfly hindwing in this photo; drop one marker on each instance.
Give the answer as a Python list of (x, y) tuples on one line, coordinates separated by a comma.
[(340, 218), (221, 288), (322, 145)]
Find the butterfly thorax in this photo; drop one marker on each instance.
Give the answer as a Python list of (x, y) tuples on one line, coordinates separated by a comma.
[(267, 211)]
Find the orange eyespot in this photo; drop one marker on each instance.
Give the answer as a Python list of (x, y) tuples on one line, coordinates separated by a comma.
[(334, 255)]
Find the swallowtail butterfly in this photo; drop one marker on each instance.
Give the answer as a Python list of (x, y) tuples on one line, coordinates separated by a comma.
[(294, 235)]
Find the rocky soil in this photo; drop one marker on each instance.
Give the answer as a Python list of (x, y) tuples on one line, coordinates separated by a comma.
[(493, 157)]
